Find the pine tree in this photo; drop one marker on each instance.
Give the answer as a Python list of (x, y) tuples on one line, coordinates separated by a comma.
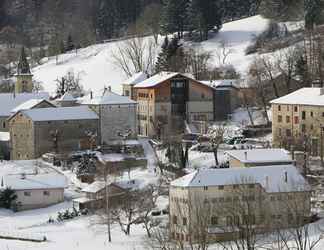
[(313, 13), (69, 44), (7, 198)]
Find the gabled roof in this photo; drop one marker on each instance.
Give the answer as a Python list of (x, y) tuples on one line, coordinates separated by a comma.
[(60, 114), (108, 98), (271, 178), (9, 101), (224, 83), (136, 78), (303, 96), (35, 181), (97, 186), (67, 97), (266, 155), (30, 104)]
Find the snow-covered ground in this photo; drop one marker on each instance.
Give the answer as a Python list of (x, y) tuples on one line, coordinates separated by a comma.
[(97, 68)]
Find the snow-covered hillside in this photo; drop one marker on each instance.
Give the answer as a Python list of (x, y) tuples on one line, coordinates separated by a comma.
[(97, 69)]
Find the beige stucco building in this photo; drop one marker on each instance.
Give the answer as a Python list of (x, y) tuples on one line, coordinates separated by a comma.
[(298, 118), (36, 190), (221, 202)]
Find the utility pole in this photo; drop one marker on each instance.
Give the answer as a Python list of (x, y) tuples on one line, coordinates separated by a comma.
[(106, 172)]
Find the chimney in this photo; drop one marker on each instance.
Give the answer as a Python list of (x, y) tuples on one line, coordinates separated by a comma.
[(245, 154), (91, 95), (109, 88), (23, 176), (267, 181), (322, 91), (286, 176)]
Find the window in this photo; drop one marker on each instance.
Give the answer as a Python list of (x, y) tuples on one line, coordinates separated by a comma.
[(296, 120), (279, 118), (235, 186), (26, 193), (205, 188), (296, 109), (174, 219), (184, 221), (202, 96), (46, 193), (251, 185), (272, 198), (279, 131), (229, 221), (288, 132), (303, 115), (279, 107), (220, 187), (303, 128), (287, 118), (287, 108), (311, 127), (126, 92), (66, 122), (311, 113), (4, 125), (214, 220)]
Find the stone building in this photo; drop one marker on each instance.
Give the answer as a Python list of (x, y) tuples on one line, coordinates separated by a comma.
[(168, 99), (117, 114), (298, 118), (9, 101), (66, 100), (37, 131), (207, 200)]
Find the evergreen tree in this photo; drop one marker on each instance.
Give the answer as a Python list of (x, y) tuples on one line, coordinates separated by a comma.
[(204, 16), (175, 16), (69, 43), (313, 13), (7, 198)]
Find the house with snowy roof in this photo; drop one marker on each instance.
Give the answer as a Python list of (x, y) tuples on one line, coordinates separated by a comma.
[(36, 190), (66, 100), (117, 115), (229, 200), (9, 101), (168, 99), (297, 116), (95, 193), (258, 157), (34, 132), (128, 85)]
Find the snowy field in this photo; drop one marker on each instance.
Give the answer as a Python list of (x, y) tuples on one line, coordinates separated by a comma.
[(97, 68)]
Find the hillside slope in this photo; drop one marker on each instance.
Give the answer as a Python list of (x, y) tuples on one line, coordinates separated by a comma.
[(97, 69)]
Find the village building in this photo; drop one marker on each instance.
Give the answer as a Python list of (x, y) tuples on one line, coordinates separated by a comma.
[(298, 118), (9, 101), (24, 77), (258, 157), (95, 193), (225, 201), (36, 190), (66, 100), (226, 97), (128, 85), (34, 132), (169, 99), (117, 115)]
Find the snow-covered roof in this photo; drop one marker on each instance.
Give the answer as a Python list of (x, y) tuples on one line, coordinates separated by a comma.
[(35, 181), (266, 155), (28, 105), (61, 114), (108, 98), (156, 79), (136, 78), (224, 83), (67, 97), (96, 186), (272, 179), (9, 101), (303, 96)]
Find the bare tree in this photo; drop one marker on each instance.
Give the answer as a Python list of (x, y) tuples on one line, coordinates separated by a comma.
[(197, 62), (216, 136), (69, 83), (135, 55), (222, 53)]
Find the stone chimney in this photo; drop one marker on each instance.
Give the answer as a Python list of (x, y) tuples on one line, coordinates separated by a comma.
[(91, 95), (245, 155), (286, 176)]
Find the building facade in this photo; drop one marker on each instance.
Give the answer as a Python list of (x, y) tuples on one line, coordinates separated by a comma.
[(167, 99), (298, 118), (117, 115), (38, 131), (222, 202)]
